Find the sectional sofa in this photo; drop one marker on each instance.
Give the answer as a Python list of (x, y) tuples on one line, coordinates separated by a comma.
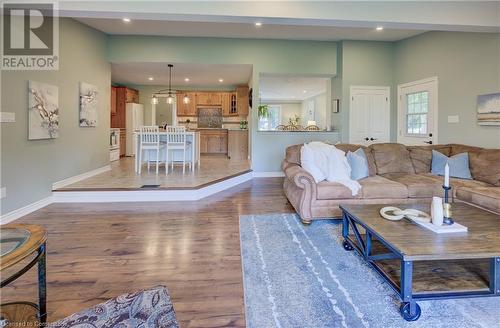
[(398, 174)]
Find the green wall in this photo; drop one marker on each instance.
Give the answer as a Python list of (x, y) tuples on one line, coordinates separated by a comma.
[(368, 64), (266, 56), (29, 168), (467, 65)]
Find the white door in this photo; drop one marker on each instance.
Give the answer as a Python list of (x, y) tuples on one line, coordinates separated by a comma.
[(417, 112), (369, 115)]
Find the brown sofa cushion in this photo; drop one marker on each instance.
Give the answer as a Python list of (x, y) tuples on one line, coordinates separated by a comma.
[(458, 149), (418, 186), (392, 158), (421, 156), (485, 165), (292, 154), (380, 187), (485, 197), (455, 183), (334, 190), (372, 169)]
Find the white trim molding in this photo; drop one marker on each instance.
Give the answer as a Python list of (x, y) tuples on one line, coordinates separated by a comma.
[(20, 212), (148, 195), (276, 174), (66, 182)]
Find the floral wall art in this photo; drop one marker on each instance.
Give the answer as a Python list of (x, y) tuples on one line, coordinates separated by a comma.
[(88, 104), (43, 111)]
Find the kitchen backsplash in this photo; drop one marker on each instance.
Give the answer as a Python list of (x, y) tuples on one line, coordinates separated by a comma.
[(228, 122), (210, 117)]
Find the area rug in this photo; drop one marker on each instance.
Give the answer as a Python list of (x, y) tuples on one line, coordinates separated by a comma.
[(300, 276)]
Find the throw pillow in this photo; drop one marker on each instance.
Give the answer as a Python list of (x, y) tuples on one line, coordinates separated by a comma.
[(308, 163), (358, 163), (459, 165)]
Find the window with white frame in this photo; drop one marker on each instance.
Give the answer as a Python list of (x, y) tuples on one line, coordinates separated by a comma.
[(273, 119), (417, 108)]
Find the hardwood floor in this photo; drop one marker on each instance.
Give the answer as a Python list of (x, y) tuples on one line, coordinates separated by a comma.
[(122, 176), (98, 251)]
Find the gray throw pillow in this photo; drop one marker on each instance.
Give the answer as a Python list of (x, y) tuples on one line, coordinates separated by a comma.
[(459, 165)]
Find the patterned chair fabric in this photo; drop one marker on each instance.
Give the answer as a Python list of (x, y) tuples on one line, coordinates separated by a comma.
[(146, 308)]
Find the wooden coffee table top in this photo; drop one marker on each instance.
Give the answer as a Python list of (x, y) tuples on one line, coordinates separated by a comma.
[(417, 243)]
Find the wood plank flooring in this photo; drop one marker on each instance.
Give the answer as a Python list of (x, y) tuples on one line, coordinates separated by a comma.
[(213, 168), (98, 251)]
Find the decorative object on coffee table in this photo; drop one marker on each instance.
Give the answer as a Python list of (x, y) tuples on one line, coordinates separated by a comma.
[(447, 206), (21, 243), (396, 250)]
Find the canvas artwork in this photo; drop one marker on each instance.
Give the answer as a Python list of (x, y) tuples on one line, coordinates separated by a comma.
[(43, 111), (88, 104), (488, 109)]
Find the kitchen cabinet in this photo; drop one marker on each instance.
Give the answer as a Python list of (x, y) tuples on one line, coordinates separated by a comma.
[(184, 109), (113, 101), (229, 107), (237, 144), (132, 95), (123, 142), (208, 99), (123, 95), (213, 141), (242, 100)]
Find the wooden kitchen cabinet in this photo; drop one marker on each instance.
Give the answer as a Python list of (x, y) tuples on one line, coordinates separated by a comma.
[(242, 100), (208, 99), (229, 107), (132, 95), (213, 141), (184, 109), (123, 142), (113, 101), (237, 144), (123, 95)]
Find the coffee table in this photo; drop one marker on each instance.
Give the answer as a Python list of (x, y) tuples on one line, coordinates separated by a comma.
[(422, 265), (23, 246)]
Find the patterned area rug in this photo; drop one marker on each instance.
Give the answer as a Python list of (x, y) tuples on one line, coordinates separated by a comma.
[(297, 276)]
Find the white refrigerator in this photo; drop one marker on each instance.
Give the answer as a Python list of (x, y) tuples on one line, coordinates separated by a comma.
[(134, 118)]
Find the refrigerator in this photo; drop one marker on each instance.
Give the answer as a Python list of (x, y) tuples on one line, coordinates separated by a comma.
[(134, 118)]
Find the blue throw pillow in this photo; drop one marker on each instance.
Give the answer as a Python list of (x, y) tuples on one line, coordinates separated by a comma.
[(358, 163), (459, 165)]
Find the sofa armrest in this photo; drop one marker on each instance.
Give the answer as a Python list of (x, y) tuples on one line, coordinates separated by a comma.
[(296, 174)]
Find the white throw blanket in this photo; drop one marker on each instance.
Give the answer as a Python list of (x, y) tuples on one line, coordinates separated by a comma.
[(325, 161)]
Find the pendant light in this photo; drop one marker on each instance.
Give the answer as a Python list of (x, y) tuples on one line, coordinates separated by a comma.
[(185, 99), (154, 100), (170, 97)]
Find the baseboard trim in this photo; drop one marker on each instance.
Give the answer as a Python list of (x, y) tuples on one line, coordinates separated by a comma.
[(25, 210), (275, 174), (148, 195), (80, 177)]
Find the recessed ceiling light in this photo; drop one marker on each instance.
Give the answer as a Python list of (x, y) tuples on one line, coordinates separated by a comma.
[(186, 79), (150, 78), (379, 28), (221, 80), (258, 24), (304, 91), (126, 20)]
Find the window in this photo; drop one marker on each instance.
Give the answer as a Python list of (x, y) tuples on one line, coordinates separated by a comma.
[(417, 108), (273, 120)]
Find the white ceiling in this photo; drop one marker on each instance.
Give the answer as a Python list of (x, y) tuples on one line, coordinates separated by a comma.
[(246, 30), (200, 75), (287, 88)]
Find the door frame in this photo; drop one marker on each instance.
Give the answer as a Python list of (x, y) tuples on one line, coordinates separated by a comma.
[(402, 124), (352, 88)]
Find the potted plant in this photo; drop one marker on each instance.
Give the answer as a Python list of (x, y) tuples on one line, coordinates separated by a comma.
[(264, 111)]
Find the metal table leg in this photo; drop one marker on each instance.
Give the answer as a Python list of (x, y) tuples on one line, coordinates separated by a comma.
[(410, 310), (495, 275), (42, 284)]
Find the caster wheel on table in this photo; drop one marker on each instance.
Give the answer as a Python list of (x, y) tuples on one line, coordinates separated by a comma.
[(405, 312), (347, 246)]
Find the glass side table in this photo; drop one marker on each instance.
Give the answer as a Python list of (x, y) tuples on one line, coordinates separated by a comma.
[(21, 247)]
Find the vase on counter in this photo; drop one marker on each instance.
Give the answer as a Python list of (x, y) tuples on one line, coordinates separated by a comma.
[(243, 125)]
